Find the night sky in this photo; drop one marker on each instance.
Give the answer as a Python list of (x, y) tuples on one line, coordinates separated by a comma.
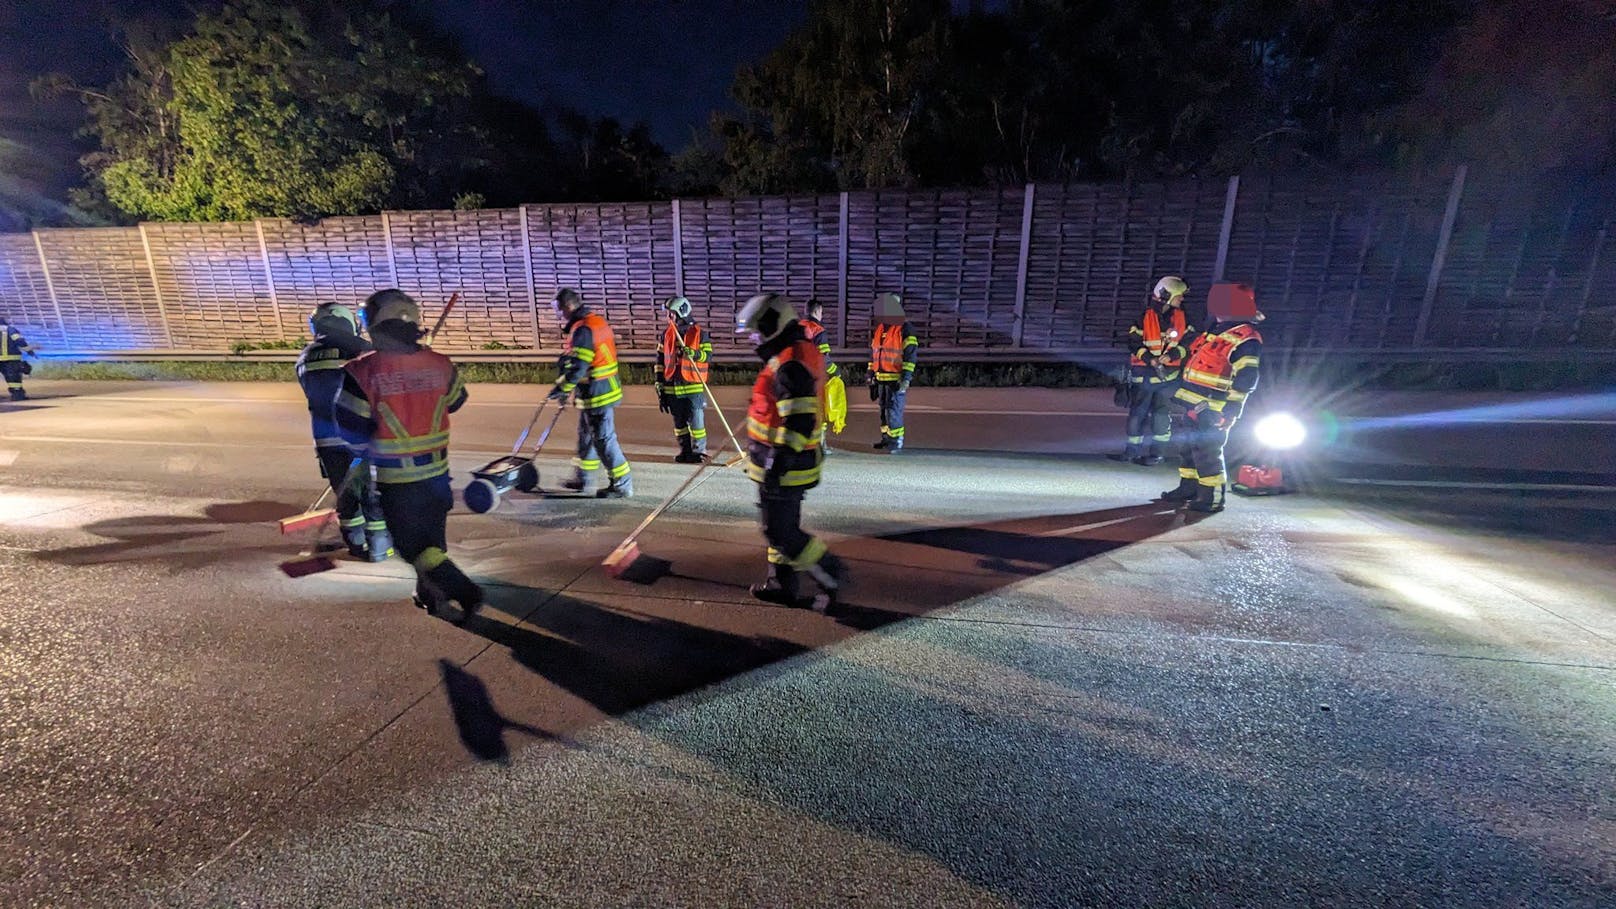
[(668, 63)]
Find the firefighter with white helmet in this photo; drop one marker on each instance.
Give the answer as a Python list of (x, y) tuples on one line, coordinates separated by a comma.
[(784, 451), (682, 363), (1156, 353)]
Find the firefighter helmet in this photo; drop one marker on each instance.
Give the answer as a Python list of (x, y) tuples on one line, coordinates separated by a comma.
[(1233, 303), (764, 317), (567, 299), (391, 305), (1170, 291), (331, 317), (678, 306)]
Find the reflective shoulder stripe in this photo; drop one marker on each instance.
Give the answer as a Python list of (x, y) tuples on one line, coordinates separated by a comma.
[(353, 403), (1244, 362)]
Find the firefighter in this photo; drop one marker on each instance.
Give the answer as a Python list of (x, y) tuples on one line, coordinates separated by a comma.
[(394, 409), (12, 346), (588, 367), (319, 372), (813, 328), (681, 376), (1219, 373), (1157, 352), (891, 368), (784, 428)]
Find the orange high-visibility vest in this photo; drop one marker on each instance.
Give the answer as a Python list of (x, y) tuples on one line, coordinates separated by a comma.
[(886, 352), (685, 374), (1209, 369), (766, 419), (1154, 339)]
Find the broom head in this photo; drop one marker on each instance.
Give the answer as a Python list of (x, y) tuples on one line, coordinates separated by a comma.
[(297, 568), (307, 520)]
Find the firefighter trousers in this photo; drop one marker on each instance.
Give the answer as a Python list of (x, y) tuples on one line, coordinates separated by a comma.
[(359, 510), (890, 395), (1200, 446), (13, 371), (598, 447), (1149, 418), (780, 515), (690, 422), (418, 515)]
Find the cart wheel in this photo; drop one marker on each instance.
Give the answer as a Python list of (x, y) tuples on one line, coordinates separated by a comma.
[(481, 496), (527, 477)]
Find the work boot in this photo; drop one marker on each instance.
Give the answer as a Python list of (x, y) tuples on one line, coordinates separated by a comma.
[(894, 446), (448, 577), (780, 588), (882, 445), (1148, 460), (576, 482), (17, 394), (831, 576), (1207, 500), (1187, 487), (428, 596), (378, 545), (355, 538), (619, 489), (688, 457)]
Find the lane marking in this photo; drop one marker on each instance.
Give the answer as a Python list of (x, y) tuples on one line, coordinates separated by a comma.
[(8, 458), (1462, 484)]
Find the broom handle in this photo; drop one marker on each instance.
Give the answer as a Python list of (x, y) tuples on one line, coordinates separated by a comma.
[(453, 298), (346, 479), (522, 439), (668, 502)]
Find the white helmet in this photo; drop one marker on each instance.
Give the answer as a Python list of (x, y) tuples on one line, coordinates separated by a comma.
[(764, 317), (390, 304), (1170, 291), (678, 306)]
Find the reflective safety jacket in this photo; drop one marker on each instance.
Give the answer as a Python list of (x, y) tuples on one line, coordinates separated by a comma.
[(815, 332), (394, 408), (1222, 366), (1150, 341), (319, 372), (12, 344), (679, 373), (589, 363), (785, 420), (892, 352)]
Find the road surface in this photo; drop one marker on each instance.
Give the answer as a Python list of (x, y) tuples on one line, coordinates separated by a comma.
[(1045, 691)]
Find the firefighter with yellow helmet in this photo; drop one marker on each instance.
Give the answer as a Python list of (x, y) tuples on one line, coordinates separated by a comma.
[(1156, 353)]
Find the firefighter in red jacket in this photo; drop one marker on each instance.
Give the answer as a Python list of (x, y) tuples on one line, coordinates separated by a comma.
[(394, 409), (588, 368), (1219, 373), (784, 430), (681, 375), (1157, 345), (891, 368)]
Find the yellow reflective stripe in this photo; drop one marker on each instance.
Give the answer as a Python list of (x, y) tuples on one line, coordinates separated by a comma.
[(887, 376), (909, 340), (603, 372), (1210, 380), (1244, 362), (410, 445), (394, 424), (1214, 480), (586, 464), (430, 558), (582, 353), (413, 473), (804, 477), (683, 391), (353, 403), (1236, 396), (318, 365), (619, 472), (758, 430), (788, 406), (795, 441)]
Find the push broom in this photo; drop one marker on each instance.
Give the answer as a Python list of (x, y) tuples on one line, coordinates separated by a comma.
[(315, 516)]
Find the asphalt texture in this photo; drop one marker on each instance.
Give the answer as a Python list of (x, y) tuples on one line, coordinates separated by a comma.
[(1397, 688)]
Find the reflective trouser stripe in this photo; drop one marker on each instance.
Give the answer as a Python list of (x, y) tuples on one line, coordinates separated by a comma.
[(1135, 440), (1162, 437), (586, 463), (430, 558), (698, 433), (357, 520), (1187, 473), (1214, 480), (619, 472)]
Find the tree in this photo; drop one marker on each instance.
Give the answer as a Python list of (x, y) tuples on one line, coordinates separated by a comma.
[(293, 109)]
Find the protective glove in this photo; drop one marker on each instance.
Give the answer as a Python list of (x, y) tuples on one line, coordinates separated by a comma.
[(556, 394), (874, 393), (1229, 414), (771, 479), (903, 384), (664, 401)]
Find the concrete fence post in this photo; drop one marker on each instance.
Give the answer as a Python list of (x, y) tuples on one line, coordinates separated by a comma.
[(50, 287), (1230, 197), (1021, 265), (387, 240), (151, 269), (841, 274), (527, 273), (269, 276), (1440, 257), (678, 251)]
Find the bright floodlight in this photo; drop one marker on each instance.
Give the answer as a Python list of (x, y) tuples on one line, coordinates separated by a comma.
[(1280, 430)]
